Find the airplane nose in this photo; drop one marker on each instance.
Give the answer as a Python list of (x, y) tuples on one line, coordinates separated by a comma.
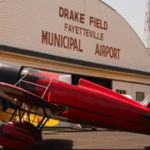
[(9, 73)]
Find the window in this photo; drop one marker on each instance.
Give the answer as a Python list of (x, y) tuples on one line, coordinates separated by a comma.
[(121, 91), (140, 96)]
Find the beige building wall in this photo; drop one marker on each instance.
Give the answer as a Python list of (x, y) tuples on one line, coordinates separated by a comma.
[(131, 88), (101, 38), (98, 35), (118, 85), (50, 65), (141, 88)]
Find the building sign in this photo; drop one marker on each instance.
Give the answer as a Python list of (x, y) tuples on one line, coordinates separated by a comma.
[(75, 44), (78, 30)]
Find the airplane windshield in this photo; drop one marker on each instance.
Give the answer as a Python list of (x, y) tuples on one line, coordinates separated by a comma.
[(34, 80)]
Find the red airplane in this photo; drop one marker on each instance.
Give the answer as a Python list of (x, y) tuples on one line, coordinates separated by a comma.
[(28, 90)]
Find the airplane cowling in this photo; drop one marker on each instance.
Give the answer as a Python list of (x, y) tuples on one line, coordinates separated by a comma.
[(19, 135), (9, 73)]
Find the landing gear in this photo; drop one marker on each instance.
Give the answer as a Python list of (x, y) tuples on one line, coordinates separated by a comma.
[(94, 129), (21, 134)]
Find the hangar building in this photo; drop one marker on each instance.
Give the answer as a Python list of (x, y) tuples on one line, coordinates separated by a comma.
[(84, 38)]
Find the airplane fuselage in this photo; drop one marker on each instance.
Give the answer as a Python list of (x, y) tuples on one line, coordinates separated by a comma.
[(94, 105), (87, 103)]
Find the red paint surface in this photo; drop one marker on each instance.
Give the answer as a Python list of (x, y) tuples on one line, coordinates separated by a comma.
[(49, 75), (95, 105), (19, 135), (87, 103)]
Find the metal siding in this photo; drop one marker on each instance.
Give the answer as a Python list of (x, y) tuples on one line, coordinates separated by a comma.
[(23, 21)]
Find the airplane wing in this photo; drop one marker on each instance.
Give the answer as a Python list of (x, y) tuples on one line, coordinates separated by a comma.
[(23, 134), (26, 100)]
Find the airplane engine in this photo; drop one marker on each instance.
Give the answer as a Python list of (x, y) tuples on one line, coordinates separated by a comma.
[(38, 92), (32, 80), (9, 73)]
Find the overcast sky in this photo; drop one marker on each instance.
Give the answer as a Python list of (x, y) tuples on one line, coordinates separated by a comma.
[(133, 11)]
